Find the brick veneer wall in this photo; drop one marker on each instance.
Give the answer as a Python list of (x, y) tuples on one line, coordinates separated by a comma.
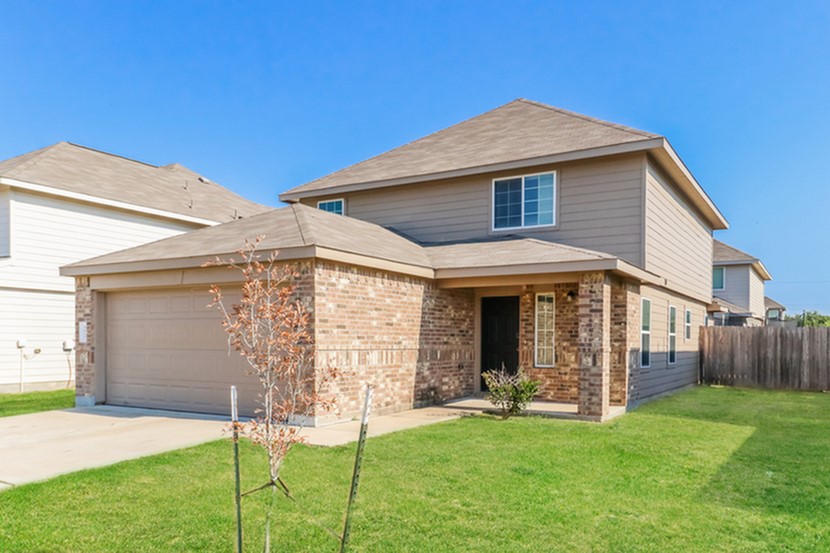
[(561, 382), (411, 340)]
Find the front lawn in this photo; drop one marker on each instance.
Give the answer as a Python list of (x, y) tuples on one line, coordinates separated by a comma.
[(706, 470), (31, 402)]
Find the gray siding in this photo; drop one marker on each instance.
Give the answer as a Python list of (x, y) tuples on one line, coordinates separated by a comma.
[(736, 285), (599, 206), (678, 244), (661, 377), (756, 294)]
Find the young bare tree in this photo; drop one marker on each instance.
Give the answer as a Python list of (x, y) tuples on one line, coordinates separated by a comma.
[(270, 328)]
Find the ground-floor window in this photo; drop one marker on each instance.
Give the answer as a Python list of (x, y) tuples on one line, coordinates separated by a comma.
[(544, 330), (645, 333), (672, 335), (688, 324)]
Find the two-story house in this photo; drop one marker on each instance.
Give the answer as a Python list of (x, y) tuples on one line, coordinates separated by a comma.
[(65, 203), (738, 281), (528, 236)]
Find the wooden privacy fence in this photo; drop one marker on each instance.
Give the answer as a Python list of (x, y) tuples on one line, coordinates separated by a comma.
[(766, 357)]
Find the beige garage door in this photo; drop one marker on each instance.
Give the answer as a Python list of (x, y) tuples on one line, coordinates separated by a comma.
[(167, 350)]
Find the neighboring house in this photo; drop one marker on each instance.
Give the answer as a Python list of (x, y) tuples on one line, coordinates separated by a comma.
[(65, 203), (775, 312), (737, 287), (528, 236)]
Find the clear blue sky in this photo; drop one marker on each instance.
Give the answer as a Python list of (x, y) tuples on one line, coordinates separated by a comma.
[(265, 96)]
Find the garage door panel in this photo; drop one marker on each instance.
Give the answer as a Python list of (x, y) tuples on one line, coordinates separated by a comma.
[(167, 349)]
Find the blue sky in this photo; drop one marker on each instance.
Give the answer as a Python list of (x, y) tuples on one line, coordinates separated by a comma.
[(265, 96)]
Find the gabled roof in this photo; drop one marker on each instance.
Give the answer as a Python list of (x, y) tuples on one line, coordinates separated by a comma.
[(521, 133), (724, 254), (519, 130), (770, 303), (300, 231), (69, 168)]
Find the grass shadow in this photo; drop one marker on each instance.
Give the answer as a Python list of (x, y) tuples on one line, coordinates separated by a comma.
[(782, 467)]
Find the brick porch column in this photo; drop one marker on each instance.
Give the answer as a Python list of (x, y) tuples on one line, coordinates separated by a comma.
[(84, 350), (625, 317), (594, 345)]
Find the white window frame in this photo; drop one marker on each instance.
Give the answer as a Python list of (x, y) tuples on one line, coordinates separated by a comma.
[(342, 204), (687, 324), (724, 278), (645, 332), (672, 309), (536, 330), (523, 177)]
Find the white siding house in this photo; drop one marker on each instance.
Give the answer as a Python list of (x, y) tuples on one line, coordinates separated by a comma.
[(50, 216)]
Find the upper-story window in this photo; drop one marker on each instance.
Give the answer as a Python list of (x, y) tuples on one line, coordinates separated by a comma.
[(719, 278), (528, 201), (332, 206)]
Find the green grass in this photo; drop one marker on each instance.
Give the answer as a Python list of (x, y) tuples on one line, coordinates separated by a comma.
[(706, 470), (32, 402)]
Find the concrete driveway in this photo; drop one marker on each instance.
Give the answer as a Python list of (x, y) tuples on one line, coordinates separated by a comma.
[(42, 445)]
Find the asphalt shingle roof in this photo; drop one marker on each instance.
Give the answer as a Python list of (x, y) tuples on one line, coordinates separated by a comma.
[(172, 188), (725, 253), (519, 130), (299, 225)]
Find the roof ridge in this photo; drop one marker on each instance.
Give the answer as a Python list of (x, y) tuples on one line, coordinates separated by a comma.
[(91, 149), (590, 119), (295, 209), (404, 145)]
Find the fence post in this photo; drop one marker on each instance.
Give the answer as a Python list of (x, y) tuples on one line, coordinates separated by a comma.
[(358, 461)]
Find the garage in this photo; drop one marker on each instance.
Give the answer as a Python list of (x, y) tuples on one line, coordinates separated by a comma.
[(166, 349)]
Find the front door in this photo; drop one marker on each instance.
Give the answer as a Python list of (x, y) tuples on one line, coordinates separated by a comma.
[(499, 334)]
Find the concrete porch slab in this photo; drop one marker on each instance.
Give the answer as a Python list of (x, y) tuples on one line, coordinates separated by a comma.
[(551, 409)]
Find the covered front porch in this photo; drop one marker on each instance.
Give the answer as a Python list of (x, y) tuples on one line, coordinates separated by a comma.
[(570, 321)]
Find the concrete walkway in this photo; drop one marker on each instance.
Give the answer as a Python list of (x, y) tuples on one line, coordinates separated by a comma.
[(39, 446)]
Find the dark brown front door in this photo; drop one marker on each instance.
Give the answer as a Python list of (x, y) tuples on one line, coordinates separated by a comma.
[(499, 334)]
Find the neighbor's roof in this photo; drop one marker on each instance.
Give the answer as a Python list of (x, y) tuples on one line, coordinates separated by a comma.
[(175, 189), (770, 303), (724, 254), (300, 231), (730, 307), (521, 133)]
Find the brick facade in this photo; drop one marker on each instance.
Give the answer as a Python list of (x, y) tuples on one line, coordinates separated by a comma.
[(415, 342), (560, 382), (408, 338)]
